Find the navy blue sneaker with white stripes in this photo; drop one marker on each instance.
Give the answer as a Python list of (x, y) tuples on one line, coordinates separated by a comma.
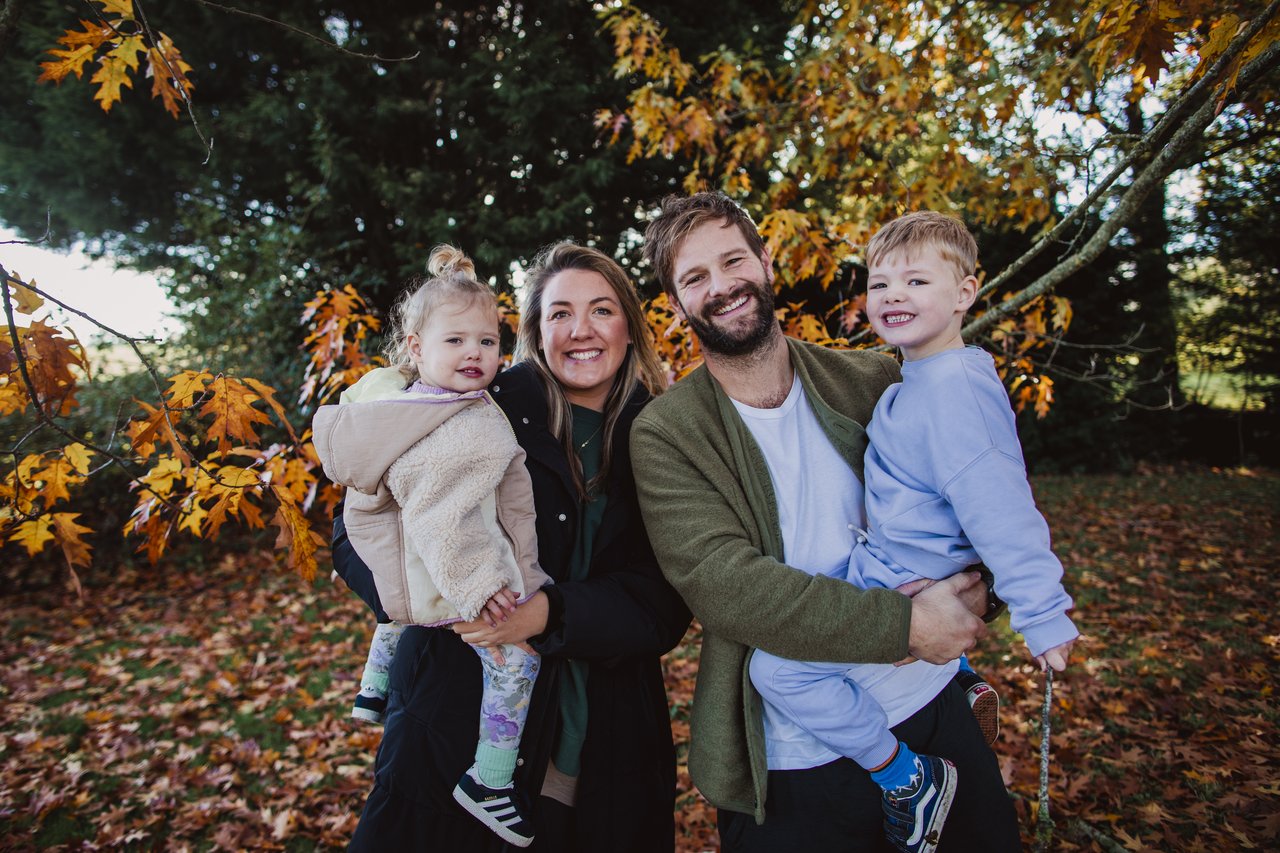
[(500, 809), (914, 814)]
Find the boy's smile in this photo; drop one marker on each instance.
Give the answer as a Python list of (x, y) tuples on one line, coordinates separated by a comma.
[(917, 302)]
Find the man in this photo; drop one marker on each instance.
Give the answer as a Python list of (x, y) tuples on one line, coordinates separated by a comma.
[(747, 468)]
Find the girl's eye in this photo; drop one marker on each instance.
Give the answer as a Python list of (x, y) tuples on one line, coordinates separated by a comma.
[(917, 281), (453, 340), (488, 342)]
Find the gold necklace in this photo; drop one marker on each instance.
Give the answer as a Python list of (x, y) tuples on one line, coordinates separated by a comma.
[(588, 441)]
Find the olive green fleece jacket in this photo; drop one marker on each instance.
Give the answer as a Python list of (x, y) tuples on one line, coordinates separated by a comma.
[(710, 511)]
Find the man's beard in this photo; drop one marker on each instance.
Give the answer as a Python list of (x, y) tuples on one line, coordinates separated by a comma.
[(738, 340)]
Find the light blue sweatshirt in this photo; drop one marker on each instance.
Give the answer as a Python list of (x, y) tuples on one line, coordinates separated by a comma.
[(946, 487)]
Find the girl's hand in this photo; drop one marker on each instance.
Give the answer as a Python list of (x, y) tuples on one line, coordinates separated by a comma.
[(1056, 657), (527, 620), (495, 610)]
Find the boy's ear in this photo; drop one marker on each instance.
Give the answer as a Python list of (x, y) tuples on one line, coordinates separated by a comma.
[(968, 293)]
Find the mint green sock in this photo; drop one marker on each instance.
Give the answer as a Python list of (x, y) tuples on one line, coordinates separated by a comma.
[(495, 766)]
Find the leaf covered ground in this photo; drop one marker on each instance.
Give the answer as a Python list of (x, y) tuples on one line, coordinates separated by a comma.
[(207, 709)]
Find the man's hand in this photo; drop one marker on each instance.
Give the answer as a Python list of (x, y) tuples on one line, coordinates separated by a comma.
[(943, 621), (527, 620)]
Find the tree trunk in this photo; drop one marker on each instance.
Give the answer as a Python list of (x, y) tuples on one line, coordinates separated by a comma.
[(1157, 372)]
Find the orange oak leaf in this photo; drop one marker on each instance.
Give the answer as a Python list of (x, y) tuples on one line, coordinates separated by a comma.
[(297, 540), (70, 536), (81, 47), (144, 432), (231, 406), (268, 395), (168, 72)]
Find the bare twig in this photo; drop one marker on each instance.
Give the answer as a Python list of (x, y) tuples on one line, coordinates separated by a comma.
[(326, 42)]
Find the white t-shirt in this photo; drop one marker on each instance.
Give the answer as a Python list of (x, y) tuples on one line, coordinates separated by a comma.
[(820, 513)]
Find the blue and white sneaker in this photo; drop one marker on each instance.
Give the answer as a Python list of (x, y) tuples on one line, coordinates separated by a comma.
[(914, 814), (500, 809)]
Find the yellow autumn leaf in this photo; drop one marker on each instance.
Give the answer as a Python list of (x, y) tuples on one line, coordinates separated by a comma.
[(78, 456), (112, 73), (26, 300), (160, 479), (123, 8), (186, 386), (34, 534)]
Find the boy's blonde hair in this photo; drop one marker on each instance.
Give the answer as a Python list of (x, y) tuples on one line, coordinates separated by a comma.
[(451, 278), (925, 229)]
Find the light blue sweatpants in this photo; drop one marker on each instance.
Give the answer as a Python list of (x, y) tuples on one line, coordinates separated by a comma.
[(825, 702)]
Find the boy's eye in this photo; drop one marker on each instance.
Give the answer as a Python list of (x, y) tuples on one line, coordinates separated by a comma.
[(488, 342), (917, 281), (875, 285)]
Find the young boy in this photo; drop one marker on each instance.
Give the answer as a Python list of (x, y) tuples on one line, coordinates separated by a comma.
[(945, 488)]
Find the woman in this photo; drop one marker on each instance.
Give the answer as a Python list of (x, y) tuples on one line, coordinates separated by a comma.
[(597, 744)]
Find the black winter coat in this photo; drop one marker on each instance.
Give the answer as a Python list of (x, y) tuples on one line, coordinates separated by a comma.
[(621, 619)]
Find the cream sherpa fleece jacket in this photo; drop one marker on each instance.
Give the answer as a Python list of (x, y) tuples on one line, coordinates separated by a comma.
[(439, 503)]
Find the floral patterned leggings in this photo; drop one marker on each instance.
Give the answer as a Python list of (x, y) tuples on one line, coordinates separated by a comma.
[(509, 673)]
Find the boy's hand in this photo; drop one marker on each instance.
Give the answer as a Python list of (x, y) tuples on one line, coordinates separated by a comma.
[(495, 610), (1056, 657)]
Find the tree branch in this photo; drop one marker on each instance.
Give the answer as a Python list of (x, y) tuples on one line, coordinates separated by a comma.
[(1160, 167), (1201, 92)]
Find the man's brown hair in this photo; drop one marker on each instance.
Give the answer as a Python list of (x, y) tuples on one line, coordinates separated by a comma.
[(679, 216)]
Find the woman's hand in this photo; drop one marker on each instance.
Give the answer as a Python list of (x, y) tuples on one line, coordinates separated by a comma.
[(525, 621)]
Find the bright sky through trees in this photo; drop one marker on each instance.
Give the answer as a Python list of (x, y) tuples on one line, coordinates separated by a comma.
[(129, 302)]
